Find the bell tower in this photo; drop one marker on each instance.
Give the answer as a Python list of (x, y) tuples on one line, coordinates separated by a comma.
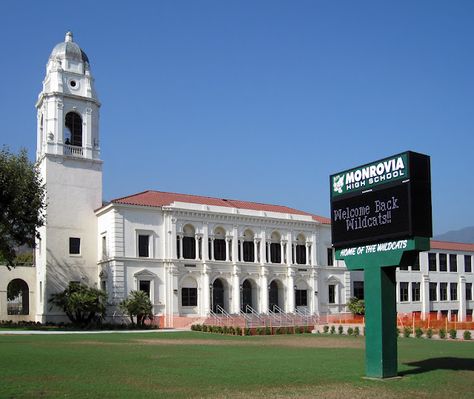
[(68, 155)]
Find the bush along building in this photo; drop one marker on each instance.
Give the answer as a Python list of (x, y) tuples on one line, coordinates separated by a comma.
[(193, 255)]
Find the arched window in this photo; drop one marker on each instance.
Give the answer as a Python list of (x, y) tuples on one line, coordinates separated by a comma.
[(219, 244), (73, 134), (275, 248), (248, 246), (189, 242), (18, 297), (300, 249)]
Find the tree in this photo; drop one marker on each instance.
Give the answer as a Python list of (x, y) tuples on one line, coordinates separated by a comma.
[(22, 196), (137, 305), (82, 304), (356, 306)]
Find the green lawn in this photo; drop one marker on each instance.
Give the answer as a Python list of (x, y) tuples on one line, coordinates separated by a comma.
[(183, 365)]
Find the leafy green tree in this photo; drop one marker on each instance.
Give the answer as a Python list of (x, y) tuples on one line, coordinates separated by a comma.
[(356, 306), (137, 305), (22, 196), (82, 304)]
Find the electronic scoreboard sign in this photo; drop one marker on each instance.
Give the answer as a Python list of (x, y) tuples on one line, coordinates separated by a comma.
[(384, 200)]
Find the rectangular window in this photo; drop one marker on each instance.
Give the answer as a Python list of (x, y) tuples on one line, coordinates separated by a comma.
[(249, 251), (432, 262), (103, 285), (415, 292), (468, 291), (332, 293), (443, 291), (358, 289), (300, 254), (189, 296), (144, 285), (416, 264), (453, 291), (74, 246), (403, 292), (443, 263), (467, 263), (403, 267), (275, 252), (189, 248), (433, 293), (453, 263), (219, 249), (143, 246), (330, 257), (301, 298)]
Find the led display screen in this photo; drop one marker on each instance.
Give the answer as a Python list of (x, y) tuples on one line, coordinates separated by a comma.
[(385, 200)]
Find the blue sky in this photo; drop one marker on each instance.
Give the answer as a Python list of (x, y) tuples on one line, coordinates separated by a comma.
[(258, 100)]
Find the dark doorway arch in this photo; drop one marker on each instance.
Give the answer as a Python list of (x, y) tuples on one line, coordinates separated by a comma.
[(273, 296), (18, 298), (217, 295), (246, 295)]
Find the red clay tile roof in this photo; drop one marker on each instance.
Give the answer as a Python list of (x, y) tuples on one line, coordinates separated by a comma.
[(452, 246), (158, 199)]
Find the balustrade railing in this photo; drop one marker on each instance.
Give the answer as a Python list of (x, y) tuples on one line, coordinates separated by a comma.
[(73, 150)]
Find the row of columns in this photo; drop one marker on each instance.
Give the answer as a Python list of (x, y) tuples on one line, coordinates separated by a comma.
[(199, 252)]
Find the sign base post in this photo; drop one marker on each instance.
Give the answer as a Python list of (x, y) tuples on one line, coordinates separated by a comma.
[(379, 263), (381, 322)]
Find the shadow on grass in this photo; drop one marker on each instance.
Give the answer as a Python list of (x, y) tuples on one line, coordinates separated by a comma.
[(439, 363)]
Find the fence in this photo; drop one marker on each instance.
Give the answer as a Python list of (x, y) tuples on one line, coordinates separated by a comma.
[(414, 320)]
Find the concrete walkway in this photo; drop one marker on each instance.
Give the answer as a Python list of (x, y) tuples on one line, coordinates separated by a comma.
[(52, 332)]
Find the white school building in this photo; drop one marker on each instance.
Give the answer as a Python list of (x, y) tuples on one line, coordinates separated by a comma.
[(193, 255)]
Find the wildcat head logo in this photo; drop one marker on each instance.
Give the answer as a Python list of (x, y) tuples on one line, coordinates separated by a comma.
[(338, 183)]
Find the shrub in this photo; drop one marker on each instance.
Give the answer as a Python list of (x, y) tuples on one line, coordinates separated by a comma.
[(247, 331), (407, 332), (326, 329), (418, 332), (333, 329), (204, 328), (268, 331), (340, 330), (467, 335), (356, 306), (259, 331), (84, 305), (350, 331), (307, 329), (238, 331), (452, 333), (138, 305), (356, 332), (429, 333), (442, 333), (231, 330)]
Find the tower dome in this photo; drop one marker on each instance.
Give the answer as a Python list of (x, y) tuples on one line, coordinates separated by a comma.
[(69, 50)]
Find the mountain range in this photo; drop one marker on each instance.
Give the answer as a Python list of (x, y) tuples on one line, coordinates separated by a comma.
[(465, 235)]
